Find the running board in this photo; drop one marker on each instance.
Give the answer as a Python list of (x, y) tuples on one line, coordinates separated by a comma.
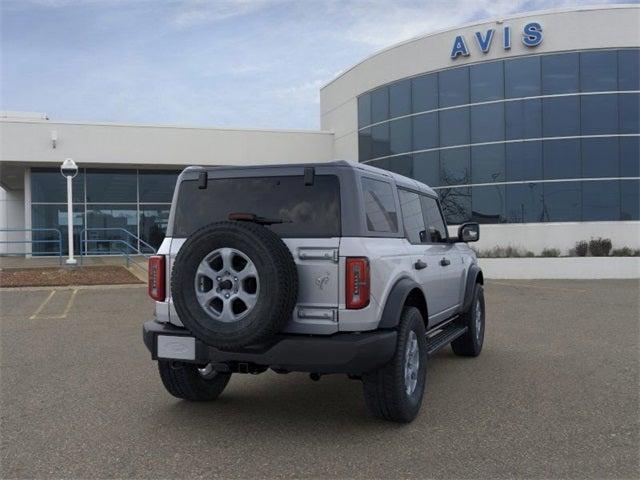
[(444, 338)]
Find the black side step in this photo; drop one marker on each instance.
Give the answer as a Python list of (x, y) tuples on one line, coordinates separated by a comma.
[(444, 338)]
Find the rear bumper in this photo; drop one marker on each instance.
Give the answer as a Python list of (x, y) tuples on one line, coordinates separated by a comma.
[(351, 353)]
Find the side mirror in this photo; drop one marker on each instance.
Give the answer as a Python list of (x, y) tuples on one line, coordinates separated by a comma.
[(469, 232)]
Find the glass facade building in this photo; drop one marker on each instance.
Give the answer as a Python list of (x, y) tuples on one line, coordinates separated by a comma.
[(538, 138), (120, 200)]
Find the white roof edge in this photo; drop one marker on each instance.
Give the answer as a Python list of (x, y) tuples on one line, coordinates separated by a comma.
[(612, 6), (147, 125)]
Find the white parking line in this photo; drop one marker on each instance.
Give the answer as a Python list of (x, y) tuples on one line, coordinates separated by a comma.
[(64, 313), (42, 305)]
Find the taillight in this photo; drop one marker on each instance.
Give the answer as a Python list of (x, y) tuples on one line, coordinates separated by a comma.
[(358, 283), (156, 277)]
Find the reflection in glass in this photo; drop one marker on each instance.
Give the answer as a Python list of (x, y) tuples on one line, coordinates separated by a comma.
[(454, 127), (112, 186), (400, 98), (453, 87), (560, 73), (153, 224), (364, 110), (487, 123), (456, 204), (522, 77), (425, 131), (600, 200), (630, 200), (600, 157), (487, 81), (629, 69), (48, 185), (379, 104), (524, 203), (629, 113), (487, 164), (380, 140), (561, 159), (488, 204), (400, 135), (55, 216), (523, 161), (426, 168), (523, 119), (365, 145), (412, 216), (598, 71), (599, 114), (562, 201), (116, 218), (424, 93), (630, 156), (157, 186), (454, 166)]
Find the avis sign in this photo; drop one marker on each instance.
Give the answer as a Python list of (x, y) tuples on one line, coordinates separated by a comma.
[(531, 37)]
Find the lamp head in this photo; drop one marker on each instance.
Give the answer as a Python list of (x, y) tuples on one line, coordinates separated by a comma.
[(69, 169)]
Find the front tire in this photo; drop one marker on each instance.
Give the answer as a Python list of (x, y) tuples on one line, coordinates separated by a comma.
[(189, 382), (395, 391), (470, 344)]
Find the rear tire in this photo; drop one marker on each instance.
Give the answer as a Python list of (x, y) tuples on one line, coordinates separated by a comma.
[(186, 381), (390, 392), (470, 344)]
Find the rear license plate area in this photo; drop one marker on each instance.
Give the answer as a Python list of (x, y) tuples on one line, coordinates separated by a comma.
[(176, 347)]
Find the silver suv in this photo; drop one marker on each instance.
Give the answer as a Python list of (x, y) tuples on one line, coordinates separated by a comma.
[(322, 268)]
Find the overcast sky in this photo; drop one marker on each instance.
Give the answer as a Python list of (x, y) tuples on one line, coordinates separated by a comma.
[(244, 63)]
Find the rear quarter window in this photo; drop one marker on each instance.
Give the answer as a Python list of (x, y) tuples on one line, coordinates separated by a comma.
[(306, 210), (380, 206)]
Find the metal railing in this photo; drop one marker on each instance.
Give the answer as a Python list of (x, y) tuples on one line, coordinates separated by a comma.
[(31, 241), (128, 247)]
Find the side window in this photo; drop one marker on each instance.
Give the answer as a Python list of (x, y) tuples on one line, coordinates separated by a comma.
[(380, 206), (412, 216), (433, 218)]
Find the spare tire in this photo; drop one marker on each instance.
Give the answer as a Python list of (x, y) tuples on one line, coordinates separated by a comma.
[(234, 284)]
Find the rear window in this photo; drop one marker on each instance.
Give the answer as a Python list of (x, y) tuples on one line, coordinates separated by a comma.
[(307, 210)]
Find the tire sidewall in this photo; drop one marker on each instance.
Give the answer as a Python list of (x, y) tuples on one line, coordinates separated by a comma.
[(411, 403), (478, 296)]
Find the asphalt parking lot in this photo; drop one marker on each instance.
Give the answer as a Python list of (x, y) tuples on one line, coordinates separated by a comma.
[(554, 394)]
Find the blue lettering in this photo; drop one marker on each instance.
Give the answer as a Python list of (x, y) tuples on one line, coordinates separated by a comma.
[(459, 48), (532, 35), (485, 43), (506, 38)]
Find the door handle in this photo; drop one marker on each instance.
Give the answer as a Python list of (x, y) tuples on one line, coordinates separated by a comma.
[(419, 265), (445, 261)]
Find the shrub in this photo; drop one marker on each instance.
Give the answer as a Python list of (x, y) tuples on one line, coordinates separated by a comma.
[(550, 252), (505, 252), (600, 247), (581, 248), (625, 252)]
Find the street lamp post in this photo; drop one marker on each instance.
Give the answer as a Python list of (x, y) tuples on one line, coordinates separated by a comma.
[(69, 170)]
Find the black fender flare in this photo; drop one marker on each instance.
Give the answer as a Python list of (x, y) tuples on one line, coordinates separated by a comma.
[(474, 275), (395, 301)]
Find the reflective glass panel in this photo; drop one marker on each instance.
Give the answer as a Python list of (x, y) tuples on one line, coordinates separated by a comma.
[(523, 161), (487, 204), (453, 86), (562, 201), (412, 218), (561, 116), (524, 203), (522, 77), (600, 200), (380, 140), (153, 224), (379, 104), (454, 166), (112, 186), (599, 71), (401, 164), (523, 119), (400, 98), (433, 219), (380, 206), (560, 73), (54, 217), (400, 135), (487, 123), (629, 113), (454, 127), (365, 145), (114, 220), (487, 164), (426, 168), (487, 81), (599, 114), (630, 200), (630, 156), (157, 186), (600, 157), (425, 131), (424, 92), (561, 159), (456, 204), (629, 69), (49, 186), (364, 110)]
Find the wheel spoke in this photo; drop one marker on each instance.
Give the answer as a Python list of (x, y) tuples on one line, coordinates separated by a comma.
[(249, 299), (226, 254), (204, 269), (248, 271), (205, 298)]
